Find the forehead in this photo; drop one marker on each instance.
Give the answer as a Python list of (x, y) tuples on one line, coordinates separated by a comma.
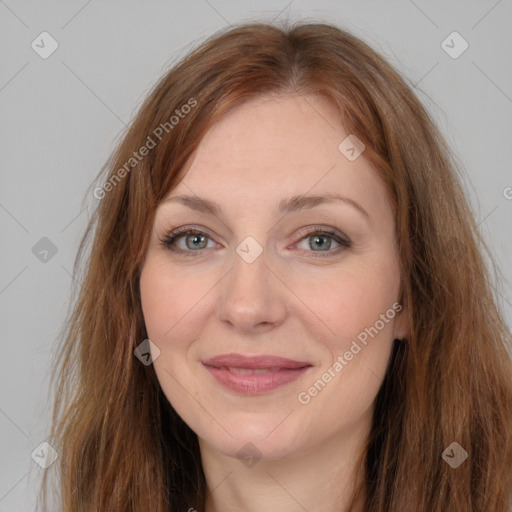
[(275, 146), (299, 128)]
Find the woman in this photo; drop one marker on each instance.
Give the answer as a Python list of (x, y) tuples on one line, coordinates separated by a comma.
[(215, 361)]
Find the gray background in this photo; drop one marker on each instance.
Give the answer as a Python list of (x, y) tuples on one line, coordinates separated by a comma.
[(61, 117)]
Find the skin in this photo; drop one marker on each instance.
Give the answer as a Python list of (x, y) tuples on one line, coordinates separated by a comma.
[(287, 303)]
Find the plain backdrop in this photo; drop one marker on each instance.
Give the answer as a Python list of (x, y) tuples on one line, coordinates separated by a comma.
[(62, 115)]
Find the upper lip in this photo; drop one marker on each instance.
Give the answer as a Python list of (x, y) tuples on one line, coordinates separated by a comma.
[(253, 362)]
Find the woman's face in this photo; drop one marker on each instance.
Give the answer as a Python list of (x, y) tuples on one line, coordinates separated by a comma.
[(268, 271)]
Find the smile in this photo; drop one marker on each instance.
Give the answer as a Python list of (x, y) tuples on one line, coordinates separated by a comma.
[(254, 381)]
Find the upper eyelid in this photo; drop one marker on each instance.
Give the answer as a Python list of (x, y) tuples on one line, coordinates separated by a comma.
[(312, 228), (305, 232)]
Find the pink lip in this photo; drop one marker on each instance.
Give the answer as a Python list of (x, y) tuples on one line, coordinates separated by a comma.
[(253, 362), (282, 372)]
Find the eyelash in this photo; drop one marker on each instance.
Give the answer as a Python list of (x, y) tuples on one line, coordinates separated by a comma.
[(168, 240)]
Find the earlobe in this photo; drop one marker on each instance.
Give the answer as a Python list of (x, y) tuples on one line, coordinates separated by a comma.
[(402, 329)]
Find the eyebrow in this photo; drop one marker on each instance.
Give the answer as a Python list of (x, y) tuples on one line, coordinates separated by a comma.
[(292, 204)]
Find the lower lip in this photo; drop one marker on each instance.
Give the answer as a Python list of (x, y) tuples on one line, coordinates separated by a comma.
[(255, 384)]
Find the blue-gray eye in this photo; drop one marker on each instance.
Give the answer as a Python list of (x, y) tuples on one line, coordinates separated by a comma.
[(196, 240), (320, 241)]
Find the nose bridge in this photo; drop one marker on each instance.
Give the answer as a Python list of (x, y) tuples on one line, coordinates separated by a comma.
[(249, 296), (249, 264)]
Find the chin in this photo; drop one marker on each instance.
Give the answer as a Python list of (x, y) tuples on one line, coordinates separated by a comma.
[(257, 440)]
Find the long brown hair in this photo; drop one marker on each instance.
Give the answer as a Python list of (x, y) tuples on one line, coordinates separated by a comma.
[(122, 446)]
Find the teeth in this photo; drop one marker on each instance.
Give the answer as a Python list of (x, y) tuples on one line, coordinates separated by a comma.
[(251, 371)]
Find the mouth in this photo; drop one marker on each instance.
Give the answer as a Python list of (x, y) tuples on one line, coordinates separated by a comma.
[(261, 362), (251, 371), (254, 375)]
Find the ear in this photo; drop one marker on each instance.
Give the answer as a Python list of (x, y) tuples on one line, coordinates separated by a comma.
[(402, 325)]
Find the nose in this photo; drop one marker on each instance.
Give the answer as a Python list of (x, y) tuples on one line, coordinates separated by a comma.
[(252, 297)]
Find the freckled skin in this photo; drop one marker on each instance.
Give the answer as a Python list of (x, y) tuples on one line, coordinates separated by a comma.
[(287, 302)]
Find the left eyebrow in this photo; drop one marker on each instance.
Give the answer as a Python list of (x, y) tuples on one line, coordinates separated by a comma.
[(291, 204)]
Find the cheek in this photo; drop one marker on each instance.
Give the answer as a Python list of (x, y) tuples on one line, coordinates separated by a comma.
[(351, 300), (173, 305), (168, 303), (158, 305), (358, 304), (359, 309)]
